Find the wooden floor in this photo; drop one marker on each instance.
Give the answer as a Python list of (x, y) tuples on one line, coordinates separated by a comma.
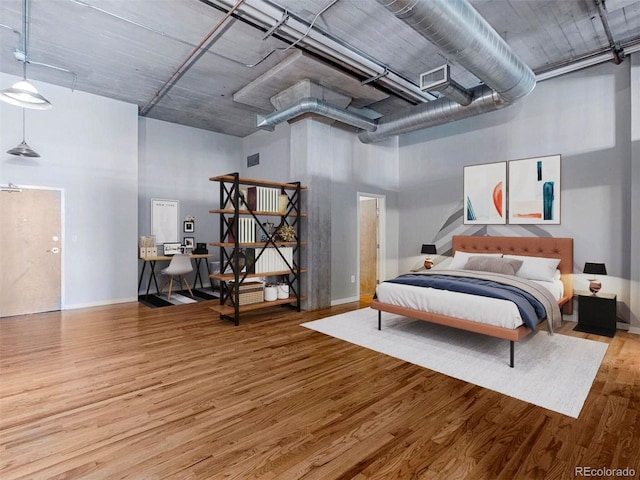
[(126, 391)]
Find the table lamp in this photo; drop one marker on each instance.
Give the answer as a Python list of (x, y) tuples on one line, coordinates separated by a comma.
[(428, 249), (594, 269)]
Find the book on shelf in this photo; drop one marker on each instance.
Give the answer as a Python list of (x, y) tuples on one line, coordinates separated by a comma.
[(271, 261), (263, 199), (246, 230)]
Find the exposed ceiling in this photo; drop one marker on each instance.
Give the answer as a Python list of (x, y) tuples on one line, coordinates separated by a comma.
[(158, 53)]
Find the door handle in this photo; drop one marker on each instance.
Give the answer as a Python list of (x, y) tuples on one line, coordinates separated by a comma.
[(54, 250)]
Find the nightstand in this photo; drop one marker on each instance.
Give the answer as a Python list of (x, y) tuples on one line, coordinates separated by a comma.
[(596, 313)]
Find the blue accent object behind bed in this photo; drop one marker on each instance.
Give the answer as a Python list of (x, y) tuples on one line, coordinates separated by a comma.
[(531, 310)]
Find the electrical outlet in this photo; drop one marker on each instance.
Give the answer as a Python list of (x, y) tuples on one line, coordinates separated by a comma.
[(353, 279)]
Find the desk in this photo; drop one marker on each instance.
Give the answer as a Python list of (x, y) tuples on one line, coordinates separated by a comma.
[(152, 261)]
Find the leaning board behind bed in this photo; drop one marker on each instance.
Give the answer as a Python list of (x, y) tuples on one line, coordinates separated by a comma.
[(561, 248)]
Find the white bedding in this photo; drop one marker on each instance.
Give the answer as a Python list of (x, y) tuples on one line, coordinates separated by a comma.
[(491, 311)]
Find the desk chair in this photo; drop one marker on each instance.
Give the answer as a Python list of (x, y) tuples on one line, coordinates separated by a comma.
[(179, 266)]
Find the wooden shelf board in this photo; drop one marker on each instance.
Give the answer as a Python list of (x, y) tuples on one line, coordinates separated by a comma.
[(225, 277), (255, 182), (231, 211), (229, 310), (254, 244)]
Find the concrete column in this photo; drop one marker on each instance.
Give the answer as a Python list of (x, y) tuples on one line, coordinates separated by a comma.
[(309, 163)]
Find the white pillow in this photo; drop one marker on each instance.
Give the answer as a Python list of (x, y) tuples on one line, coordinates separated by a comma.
[(460, 258), (536, 268), (484, 263)]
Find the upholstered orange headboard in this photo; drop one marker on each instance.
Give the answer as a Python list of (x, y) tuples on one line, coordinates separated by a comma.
[(561, 248)]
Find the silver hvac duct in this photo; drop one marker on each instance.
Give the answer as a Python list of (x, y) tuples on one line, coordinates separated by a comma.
[(434, 113), (459, 31), (313, 105)]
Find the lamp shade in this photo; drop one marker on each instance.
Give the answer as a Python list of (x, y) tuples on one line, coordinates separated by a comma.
[(595, 268), (23, 150), (23, 94), (429, 249)]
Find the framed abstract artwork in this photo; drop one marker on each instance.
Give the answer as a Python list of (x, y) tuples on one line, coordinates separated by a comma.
[(534, 190), (485, 194)]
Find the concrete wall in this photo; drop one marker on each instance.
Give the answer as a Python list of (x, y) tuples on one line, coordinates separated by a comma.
[(340, 167), (584, 116), (88, 148)]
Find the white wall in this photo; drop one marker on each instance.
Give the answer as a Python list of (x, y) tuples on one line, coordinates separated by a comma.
[(635, 194), (585, 117), (176, 162), (274, 150), (360, 168), (88, 147)]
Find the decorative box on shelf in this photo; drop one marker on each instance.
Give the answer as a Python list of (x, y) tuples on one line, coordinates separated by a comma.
[(250, 292), (147, 252)]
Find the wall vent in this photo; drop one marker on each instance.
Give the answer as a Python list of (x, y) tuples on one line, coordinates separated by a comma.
[(253, 160)]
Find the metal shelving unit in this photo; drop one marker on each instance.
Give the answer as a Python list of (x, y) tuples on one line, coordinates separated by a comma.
[(233, 271)]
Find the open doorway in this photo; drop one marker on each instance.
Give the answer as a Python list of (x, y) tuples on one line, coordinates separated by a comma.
[(370, 243)]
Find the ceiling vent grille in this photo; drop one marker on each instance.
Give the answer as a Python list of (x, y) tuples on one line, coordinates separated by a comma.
[(435, 78)]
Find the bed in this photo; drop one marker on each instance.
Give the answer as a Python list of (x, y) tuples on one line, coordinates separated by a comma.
[(511, 247)]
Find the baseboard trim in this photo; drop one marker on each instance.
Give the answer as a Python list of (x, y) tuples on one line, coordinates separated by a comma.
[(100, 303), (341, 301)]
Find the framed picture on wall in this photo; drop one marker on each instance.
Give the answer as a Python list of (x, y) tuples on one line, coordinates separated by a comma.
[(164, 220), (484, 194), (188, 227), (534, 190)]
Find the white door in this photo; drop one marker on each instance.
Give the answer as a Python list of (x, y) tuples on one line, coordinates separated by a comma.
[(30, 251)]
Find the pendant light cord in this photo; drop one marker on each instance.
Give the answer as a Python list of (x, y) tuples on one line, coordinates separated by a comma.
[(23, 125)]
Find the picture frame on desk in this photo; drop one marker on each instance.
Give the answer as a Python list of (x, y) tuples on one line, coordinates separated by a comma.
[(188, 227), (171, 248), (189, 242)]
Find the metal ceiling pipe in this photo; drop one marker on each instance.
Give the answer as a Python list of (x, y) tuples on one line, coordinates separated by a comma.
[(266, 13), (463, 35), (618, 53), (434, 113), (455, 92), (459, 31), (313, 105), (186, 64)]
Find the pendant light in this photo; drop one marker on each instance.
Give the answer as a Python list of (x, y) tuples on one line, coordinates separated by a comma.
[(22, 93), (23, 149)]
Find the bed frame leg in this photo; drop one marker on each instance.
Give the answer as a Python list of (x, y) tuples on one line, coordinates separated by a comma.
[(511, 347), (379, 319)]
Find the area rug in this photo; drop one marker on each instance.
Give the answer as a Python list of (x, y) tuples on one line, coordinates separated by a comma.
[(177, 298), (552, 371)]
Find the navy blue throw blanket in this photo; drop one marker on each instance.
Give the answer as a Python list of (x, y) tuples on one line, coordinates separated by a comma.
[(531, 310)]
